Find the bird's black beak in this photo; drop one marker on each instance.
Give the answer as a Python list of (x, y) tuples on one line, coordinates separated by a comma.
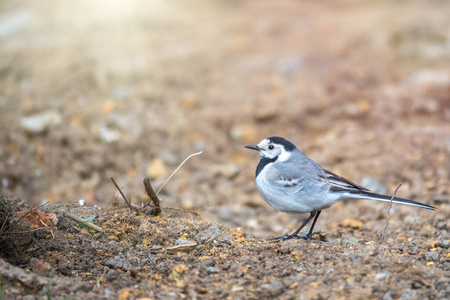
[(253, 147)]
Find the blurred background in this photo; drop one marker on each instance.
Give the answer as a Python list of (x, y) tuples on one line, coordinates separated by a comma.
[(96, 89)]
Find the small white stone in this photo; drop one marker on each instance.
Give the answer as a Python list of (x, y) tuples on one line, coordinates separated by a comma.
[(109, 135), (380, 276), (81, 202), (40, 122)]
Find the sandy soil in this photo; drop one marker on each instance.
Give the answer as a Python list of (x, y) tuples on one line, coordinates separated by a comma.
[(90, 91)]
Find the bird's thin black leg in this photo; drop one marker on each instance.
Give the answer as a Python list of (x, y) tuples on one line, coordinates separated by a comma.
[(309, 235), (295, 234)]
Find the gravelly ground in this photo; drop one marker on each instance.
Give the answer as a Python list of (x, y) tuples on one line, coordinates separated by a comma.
[(90, 91)]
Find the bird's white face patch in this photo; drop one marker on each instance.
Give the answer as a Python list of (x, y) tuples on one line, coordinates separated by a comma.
[(271, 150), (284, 156)]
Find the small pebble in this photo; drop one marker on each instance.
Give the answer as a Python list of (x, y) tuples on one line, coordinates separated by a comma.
[(372, 250), (41, 268), (212, 270), (119, 263), (274, 288), (431, 256), (236, 288), (214, 234), (439, 199), (40, 122), (380, 276), (109, 135), (183, 242), (444, 244)]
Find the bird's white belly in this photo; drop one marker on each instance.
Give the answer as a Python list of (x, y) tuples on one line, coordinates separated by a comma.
[(300, 202)]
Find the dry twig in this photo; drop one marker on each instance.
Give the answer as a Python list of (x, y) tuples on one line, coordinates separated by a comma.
[(383, 233), (123, 195), (173, 173), (80, 220), (152, 195)]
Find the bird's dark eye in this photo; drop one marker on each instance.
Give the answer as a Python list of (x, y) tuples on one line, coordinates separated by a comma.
[(271, 147)]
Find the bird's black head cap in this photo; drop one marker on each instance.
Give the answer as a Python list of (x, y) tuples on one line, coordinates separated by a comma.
[(282, 141)]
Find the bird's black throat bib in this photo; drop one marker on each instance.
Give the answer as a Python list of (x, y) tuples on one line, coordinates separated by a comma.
[(264, 162)]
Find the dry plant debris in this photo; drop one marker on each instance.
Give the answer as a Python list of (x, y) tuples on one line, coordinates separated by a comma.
[(141, 255)]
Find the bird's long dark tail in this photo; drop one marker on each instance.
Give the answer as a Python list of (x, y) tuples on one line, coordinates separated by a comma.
[(373, 196)]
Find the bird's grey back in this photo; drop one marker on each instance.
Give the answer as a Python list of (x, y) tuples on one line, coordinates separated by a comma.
[(302, 168)]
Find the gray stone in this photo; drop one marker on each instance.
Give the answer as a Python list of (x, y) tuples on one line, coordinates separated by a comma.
[(431, 256), (440, 199), (184, 242), (40, 122), (381, 276), (274, 288), (444, 244), (30, 280), (212, 270), (119, 263), (41, 268), (213, 234)]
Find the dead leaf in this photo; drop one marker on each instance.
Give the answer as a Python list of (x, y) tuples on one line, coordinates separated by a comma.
[(37, 219)]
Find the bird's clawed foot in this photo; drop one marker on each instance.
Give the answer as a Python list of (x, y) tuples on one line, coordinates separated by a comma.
[(293, 236)]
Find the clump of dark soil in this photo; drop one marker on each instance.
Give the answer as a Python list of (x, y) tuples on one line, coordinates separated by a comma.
[(16, 236)]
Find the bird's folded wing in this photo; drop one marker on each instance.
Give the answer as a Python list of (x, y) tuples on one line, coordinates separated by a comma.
[(298, 178), (339, 183), (291, 185)]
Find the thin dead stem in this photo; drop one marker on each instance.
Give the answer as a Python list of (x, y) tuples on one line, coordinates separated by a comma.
[(383, 233), (153, 196), (80, 220), (128, 202), (171, 175)]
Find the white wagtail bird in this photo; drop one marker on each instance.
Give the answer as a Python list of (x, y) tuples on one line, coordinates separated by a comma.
[(293, 183)]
